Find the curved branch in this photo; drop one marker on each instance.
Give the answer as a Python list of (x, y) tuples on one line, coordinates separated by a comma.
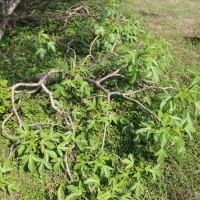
[(3, 126)]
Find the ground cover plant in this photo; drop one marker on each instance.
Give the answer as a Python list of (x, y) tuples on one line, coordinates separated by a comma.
[(90, 108)]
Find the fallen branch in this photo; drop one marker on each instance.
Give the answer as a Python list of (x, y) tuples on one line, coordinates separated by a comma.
[(97, 83), (67, 167), (3, 126), (66, 116), (46, 124)]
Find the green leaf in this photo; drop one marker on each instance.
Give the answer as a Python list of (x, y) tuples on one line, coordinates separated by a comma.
[(94, 180), (104, 195), (155, 171), (56, 166), (162, 154), (179, 144), (74, 189), (47, 165), (44, 35), (31, 164), (20, 150), (24, 160), (197, 104), (99, 30), (41, 169), (60, 193), (190, 127), (36, 158), (52, 154), (155, 72), (72, 196), (106, 170), (127, 161), (6, 167), (50, 145), (3, 83), (41, 51), (13, 187), (51, 45)]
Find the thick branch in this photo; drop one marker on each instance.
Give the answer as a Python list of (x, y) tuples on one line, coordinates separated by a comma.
[(8, 8), (97, 83)]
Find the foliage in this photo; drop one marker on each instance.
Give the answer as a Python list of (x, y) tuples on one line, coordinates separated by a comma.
[(4, 97), (6, 180), (127, 113)]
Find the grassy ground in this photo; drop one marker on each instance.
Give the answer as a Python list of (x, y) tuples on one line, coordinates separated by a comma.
[(178, 21)]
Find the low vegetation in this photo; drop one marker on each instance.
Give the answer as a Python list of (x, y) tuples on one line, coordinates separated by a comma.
[(92, 106)]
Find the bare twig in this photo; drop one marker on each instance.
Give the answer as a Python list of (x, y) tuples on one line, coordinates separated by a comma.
[(14, 87), (115, 73), (91, 46), (62, 113), (123, 95), (90, 52), (46, 123), (11, 150), (112, 154), (104, 133), (67, 167), (104, 137), (3, 126), (144, 107)]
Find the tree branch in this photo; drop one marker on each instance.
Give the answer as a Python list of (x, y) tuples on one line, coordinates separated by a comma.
[(3, 126), (7, 9)]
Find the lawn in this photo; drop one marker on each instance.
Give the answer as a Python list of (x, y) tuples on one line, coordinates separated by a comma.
[(177, 21)]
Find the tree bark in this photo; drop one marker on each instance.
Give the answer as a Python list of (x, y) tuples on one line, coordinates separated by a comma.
[(8, 8)]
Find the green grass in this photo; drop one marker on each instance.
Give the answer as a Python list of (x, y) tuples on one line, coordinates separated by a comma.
[(179, 23)]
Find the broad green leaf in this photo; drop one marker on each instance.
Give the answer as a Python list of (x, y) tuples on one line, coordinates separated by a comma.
[(127, 161), (47, 165), (74, 189), (190, 126), (52, 154), (104, 195), (72, 196), (42, 52), (155, 72), (24, 160), (50, 145), (31, 164), (20, 150), (56, 166), (162, 154), (197, 104), (41, 169), (51, 45), (13, 187), (91, 181), (99, 30), (36, 158), (60, 193)]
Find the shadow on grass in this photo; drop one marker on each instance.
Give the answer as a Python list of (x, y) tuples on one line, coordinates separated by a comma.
[(194, 40), (150, 14)]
